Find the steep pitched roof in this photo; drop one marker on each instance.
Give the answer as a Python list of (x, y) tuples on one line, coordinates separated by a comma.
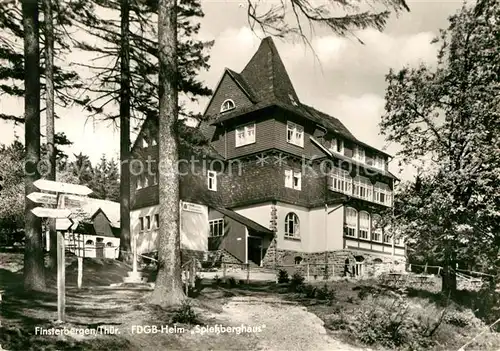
[(265, 73), (266, 79), (88, 207)]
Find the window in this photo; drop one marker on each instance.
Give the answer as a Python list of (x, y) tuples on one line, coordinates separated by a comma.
[(295, 134), (292, 226), (216, 227), (89, 242), (227, 105), (364, 225), (380, 162), (351, 222), (245, 135), (146, 181), (153, 142), (148, 222), (141, 223), (138, 184), (362, 188), (387, 238), (376, 228), (397, 241), (337, 146), (144, 142), (109, 244), (212, 180), (293, 179), (157, 221), (341, 181), (359, 154), (382, 194), (155, 179)]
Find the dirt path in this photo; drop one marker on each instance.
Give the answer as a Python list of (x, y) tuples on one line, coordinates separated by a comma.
[(285, 325)]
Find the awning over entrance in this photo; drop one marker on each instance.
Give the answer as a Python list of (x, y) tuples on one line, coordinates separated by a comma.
[(251, 225)]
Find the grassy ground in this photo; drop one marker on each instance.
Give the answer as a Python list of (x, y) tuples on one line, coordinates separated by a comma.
[(363, 314)]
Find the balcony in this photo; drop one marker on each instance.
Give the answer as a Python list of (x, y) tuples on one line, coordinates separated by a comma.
[(360, 188)]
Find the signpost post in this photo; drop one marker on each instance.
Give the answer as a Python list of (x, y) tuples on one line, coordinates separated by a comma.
[(61, 216)]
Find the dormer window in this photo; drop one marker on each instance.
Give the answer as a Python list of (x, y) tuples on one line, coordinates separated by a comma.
[(292, 100), (295, 134), (227, 105)]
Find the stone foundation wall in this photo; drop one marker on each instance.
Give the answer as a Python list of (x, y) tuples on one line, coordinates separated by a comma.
[(315, 264)]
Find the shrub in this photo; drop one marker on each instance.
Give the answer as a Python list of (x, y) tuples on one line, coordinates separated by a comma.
[(297, 282), (325, 293), (231, 282), (309, 291), (283, 277), (185, 314)]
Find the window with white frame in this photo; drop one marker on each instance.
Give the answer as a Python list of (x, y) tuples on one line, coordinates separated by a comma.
[(359, 154), (382, 194), (350, 222), (362, 188), (292, 226), (376, 227), (157, 221), (212, 180), (380, 162), (337, 146), (141, 223), (295, 134), (227, 105), (216, 227), (364, 225), (293, 179), (245, 135), (341, 181)]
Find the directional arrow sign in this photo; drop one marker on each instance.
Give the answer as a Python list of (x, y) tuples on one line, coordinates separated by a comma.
[(51, 212), (64, 224), (41, 198), (58, 187)]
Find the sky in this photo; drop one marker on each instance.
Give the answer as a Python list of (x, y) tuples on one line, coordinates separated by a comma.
[(345, 79)]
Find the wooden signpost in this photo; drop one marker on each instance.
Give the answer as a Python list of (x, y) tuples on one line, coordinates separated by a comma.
[(63, 224)]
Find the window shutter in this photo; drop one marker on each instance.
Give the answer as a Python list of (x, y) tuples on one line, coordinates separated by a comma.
[(288, 178)]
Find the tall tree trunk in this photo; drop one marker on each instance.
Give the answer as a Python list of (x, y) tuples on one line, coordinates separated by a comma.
[(449, 276), (34, 277), (49, 113), (168, 290), (125, 239)]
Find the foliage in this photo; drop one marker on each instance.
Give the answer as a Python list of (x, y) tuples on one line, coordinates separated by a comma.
[(185, 314), (325, 293), (192, 54), (297, 282), (447, 117), (283, 277), (66, 81), (12, 193), (103, 178)]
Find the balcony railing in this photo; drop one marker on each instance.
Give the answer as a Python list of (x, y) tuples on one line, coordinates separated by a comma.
[(344, 185)]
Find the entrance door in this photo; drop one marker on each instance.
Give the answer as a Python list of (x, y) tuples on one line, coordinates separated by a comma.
[(99, 248), (254, 250)]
